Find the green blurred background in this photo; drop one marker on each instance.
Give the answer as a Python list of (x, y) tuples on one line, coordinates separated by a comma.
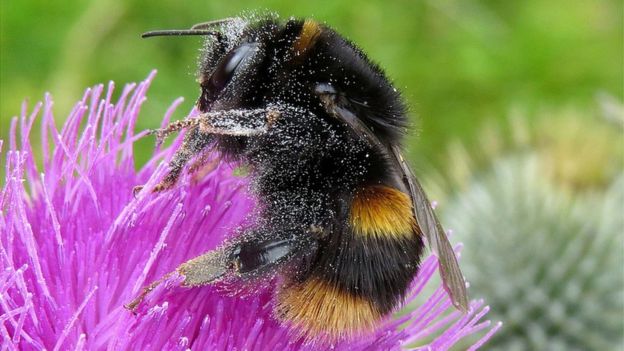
[(527, 85)]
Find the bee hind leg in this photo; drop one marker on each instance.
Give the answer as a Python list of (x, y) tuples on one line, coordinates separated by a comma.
[(254, 254)]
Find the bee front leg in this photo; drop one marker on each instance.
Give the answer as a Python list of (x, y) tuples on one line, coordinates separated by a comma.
[(195, 141), (246, 123), (203, 128)]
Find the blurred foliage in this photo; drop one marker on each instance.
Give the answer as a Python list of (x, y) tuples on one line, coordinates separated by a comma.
[(579, 151), (457, 62)]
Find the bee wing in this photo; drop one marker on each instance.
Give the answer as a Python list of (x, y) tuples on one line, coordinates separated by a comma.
[(452, 277)]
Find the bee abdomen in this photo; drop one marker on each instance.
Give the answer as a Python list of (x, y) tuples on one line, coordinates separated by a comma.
[(362, 272)]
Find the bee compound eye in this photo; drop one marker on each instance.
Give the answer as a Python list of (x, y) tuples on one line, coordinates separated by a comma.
[(228, 65)]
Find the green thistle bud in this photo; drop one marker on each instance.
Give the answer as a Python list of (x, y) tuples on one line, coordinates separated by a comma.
[(549, 264)]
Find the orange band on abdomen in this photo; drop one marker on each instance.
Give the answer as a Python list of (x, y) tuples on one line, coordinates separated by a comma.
[(382, 211)]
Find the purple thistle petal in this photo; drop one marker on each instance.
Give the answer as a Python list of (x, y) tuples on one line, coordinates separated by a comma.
[(76, 245)]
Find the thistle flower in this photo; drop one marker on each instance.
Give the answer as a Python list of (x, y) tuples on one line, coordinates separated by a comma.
[(75, 246)]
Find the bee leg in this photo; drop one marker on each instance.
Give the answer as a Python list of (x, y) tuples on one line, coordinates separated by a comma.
[(245, 123), (255, 255), (204, 165), (132, 305), (204, 160), (194, 143), (173, 127), (201, 270)]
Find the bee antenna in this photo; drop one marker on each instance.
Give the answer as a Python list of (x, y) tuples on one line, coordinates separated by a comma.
[(181, 32), (212, 24)]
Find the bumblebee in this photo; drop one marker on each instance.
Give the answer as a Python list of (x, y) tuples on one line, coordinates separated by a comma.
[(342, 221)]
